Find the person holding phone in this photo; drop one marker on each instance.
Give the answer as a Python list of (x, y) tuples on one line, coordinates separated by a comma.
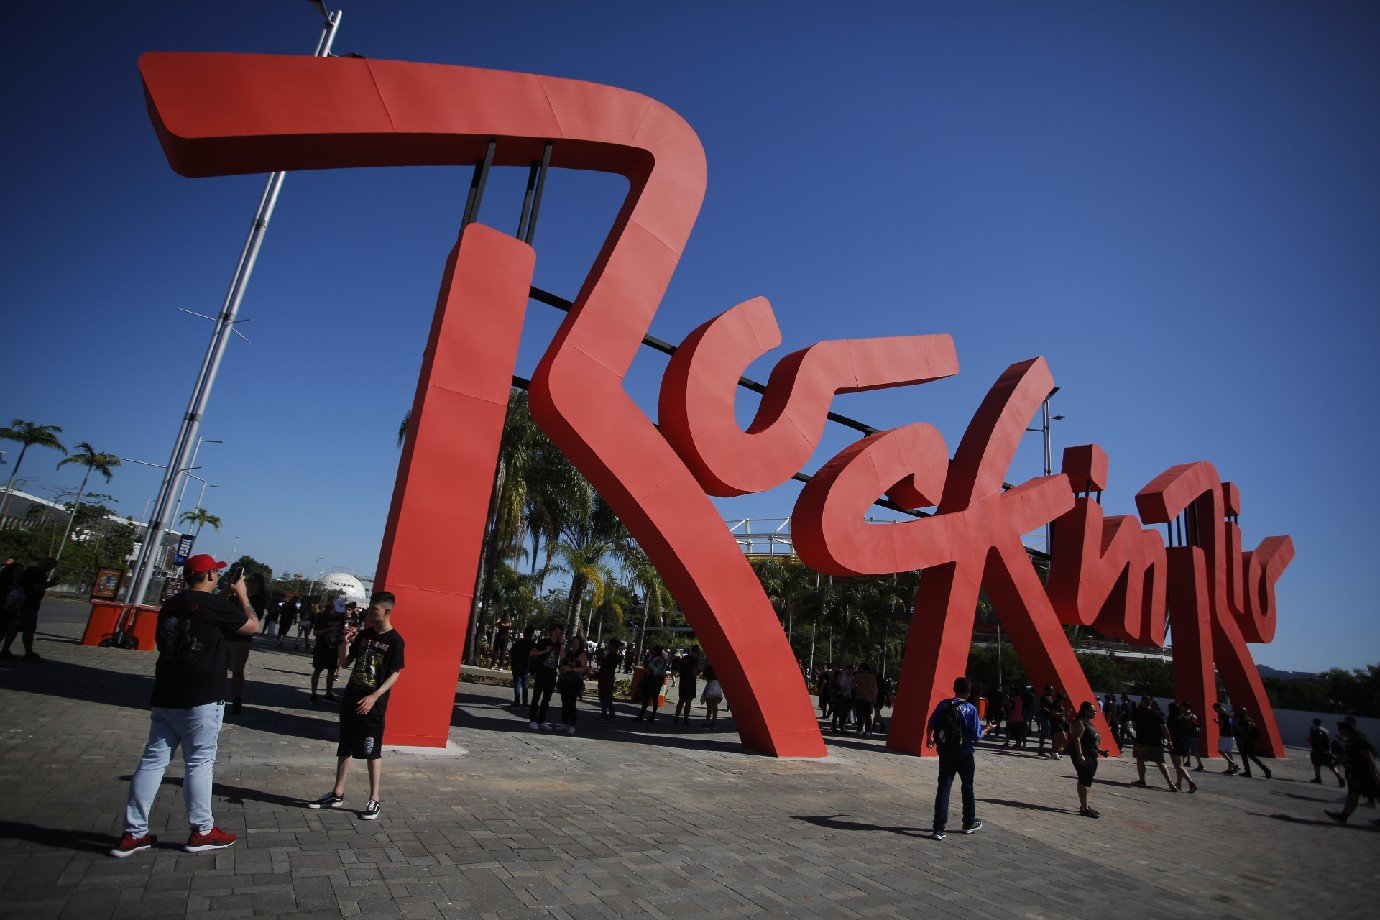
[(376, 652), (188, 702)]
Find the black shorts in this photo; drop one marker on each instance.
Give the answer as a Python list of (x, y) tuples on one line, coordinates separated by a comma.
[(325, 657), (687, 690), (1086, 770), (28, 619), (1320, 758), (361, 737)]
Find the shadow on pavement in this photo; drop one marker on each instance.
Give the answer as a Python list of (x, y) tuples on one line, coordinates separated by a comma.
[(1318, 822), (118, 688), (238, 795), (1026, 806), (479, 711), (81, 841), (833, 823)]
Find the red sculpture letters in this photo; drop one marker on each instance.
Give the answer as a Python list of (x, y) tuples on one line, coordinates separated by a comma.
[(219, 114)]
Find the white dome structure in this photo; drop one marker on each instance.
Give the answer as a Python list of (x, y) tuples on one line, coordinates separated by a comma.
[(352, 588)]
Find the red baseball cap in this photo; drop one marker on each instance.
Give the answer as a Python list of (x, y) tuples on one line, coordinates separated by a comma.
[(202, 563)]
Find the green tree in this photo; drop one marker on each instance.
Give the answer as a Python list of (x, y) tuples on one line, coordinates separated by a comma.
[(27, 434), (252, 565), (200, 517), (93, 461)]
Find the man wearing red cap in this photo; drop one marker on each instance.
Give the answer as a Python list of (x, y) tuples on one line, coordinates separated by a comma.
[(188, 694)]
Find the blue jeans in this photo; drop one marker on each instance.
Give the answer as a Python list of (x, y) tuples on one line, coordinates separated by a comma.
[(949, 764), (197, 730), (520, 689)]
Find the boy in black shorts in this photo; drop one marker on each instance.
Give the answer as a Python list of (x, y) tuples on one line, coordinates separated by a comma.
[(377, 656)]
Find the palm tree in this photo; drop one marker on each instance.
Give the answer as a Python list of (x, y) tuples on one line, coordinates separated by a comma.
[(200, 517), (656, 597), (89, 458), (29, 434)]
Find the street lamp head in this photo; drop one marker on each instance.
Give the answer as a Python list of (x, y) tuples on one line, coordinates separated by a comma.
[(1056, 418)]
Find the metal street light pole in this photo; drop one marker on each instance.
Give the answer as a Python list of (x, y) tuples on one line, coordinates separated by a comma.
[(191, 464), (1045, 419), (210, 362)]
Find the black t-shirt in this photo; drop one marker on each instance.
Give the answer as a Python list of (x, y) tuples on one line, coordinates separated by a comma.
[(518, 656), (192, 629), (686, 666), (1149, 726), (549, 657), (34, 583), (376, 656), (328, 626)]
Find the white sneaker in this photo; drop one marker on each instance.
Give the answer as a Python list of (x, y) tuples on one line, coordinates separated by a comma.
[(570, 730), (546, 726), (533, 725)]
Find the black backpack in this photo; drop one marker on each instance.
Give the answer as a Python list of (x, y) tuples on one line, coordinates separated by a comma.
[(948, 728)]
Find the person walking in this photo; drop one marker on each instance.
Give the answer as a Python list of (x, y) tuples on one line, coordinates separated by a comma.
[(377, 656), (545, 658), (1226, 737), (713, 696), (520, 663), (329, 629), (687, 669), (1246, 736), (34, 583), (650, 689), (11, 596), (609, 660), (1180, 733), (1320, 753), (1362, 774), (310, 608), (186, 706), (842, 700), (864, 697), (571, 682), (1085, 747), (953, 727), (1151, 735), (1044, 720), (1195, 731), (237, 647)]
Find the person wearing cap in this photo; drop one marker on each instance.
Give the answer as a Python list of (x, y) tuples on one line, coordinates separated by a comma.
[(188, 703), (1362, 775), (1320, 752), (329, 627)]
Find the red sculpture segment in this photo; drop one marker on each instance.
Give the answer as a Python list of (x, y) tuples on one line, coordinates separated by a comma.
[(974, 540), (219, 114), (1206, 631), (701, 383), (1105, 572)]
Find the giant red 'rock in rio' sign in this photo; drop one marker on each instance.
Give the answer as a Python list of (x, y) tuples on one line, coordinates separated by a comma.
[(223, 114)]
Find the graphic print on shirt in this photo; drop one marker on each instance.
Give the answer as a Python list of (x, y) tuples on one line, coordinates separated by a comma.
[(368, 672)]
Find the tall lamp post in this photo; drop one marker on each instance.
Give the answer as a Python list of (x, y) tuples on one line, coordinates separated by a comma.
[(1045, 419), (191, 464), (215, 350)]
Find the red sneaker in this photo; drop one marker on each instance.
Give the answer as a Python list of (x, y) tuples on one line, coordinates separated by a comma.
[(214, 839), (132, 844)]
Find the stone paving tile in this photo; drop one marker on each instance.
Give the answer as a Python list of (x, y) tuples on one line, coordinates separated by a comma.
[(628, 820)]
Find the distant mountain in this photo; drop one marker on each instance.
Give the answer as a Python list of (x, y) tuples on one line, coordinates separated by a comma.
[(1267, 671)]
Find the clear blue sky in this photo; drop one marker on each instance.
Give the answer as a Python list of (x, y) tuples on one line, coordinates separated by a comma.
[(1177, 204)]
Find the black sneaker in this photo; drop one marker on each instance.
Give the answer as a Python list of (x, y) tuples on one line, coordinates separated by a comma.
[(1337, 816), (1089, 812), (939, 835), (371, 811), (329, 800), (972, 828)]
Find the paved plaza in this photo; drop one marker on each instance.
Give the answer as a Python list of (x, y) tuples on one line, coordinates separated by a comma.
[(627, 819)]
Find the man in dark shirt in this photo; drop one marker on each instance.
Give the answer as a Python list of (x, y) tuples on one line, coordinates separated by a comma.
[(377, 656), (1151, 734), (518, 662), (328, 627), (188, 690), (35, 583), (543, 659), (687, 669), (952, 728)]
